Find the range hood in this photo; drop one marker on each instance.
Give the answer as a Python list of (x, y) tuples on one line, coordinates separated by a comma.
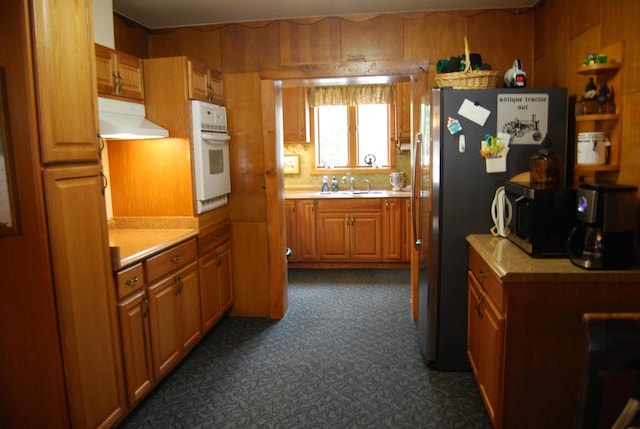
[(126, 120)]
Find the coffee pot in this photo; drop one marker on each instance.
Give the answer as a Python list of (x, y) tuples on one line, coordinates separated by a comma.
[(604, 236), (397, 180)]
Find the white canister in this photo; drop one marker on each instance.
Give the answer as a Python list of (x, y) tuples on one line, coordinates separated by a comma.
[(592, 149)]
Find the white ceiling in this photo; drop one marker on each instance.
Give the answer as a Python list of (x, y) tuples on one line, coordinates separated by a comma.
[(155, 14)]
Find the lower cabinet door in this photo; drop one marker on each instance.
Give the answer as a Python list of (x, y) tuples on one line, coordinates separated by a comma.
[(209, 290), (491, 348), (85, 295), (189, 303), (164, 318), (136, 345)]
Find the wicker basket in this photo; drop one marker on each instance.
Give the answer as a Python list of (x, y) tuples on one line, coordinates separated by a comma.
[(468, 79)]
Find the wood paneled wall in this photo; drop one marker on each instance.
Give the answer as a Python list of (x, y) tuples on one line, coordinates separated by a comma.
[(500, 36), (242, 51), (565, 32), (551, 41)]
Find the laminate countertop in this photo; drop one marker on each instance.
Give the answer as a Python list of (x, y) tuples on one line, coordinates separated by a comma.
[(132, 240), (512, 264)]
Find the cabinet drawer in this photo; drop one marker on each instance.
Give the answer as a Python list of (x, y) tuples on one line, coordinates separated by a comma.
[(129, 280), (170, 260), (488, 280), (213, 236), (348, 204)]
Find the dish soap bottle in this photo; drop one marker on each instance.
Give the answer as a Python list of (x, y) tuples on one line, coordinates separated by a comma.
[(334, 184), (325, 185)]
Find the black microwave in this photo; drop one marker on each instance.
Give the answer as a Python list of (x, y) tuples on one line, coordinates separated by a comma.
[(542, 216)]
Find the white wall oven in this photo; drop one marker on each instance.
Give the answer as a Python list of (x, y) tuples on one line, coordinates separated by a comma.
[(210, 155)]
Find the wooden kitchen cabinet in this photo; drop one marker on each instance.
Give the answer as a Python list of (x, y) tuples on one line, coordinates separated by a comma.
[(214, 265), (301, 229), (65, 81), (393, 233), (119, 74), (295, 115), (136, 345), (204, 84), (170, 83), (85, 296), (485, 336), (525, 333), (403, 112), (409, 240), (174, 305), (349, 229), (291, 228)]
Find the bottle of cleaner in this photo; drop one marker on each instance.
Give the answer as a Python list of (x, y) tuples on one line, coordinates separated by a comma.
[(325, 184), (334, 184)]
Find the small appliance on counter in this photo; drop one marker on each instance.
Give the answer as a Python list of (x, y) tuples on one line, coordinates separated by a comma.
[(541, 217), (604, 237)]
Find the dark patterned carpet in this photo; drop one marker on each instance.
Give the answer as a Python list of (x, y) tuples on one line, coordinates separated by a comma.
[(345, 356)]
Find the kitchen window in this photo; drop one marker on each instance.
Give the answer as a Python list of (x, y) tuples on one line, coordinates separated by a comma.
[(354, 133)]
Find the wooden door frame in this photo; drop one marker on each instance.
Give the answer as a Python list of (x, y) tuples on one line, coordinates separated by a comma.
[(271, 83)]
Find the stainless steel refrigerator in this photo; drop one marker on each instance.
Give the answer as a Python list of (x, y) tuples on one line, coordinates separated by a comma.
[(454, 192)]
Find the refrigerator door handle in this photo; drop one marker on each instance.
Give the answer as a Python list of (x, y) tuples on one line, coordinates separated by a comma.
[(417, 190)]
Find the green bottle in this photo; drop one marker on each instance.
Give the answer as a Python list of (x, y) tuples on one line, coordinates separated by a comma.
[(334, 184)]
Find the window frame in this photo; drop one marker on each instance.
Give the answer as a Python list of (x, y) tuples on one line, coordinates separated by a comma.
[(353, 146)]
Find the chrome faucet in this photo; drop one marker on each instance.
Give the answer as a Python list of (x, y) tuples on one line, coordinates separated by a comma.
[(352, 181), (368, 182)]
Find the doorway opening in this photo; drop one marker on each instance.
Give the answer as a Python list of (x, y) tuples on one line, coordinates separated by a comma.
[(272, 82)]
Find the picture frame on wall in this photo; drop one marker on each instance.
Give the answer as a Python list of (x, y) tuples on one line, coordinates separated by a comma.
[(9, 220), (291, 164)]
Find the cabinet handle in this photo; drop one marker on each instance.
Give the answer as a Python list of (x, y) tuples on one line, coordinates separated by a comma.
[(346, 220), (218, 258), (105, 183), (119, 82), (132, 281), (115, 82), (101, 145), (216, 237), (175, 259), (479, 302), (145, 301), (178, 281)]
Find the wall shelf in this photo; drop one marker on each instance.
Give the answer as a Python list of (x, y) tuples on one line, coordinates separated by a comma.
[(608, 123), (598, 117), (595, 69)]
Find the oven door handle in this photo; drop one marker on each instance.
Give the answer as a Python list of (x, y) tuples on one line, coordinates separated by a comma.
[(215, 137)]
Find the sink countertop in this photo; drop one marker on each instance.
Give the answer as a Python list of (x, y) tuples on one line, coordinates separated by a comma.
[(510, 263), (133, 239), (359, 193)]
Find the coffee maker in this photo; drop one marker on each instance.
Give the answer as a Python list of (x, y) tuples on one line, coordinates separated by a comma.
[(604, 237)]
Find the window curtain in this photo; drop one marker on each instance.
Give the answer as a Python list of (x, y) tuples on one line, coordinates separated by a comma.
[(352, 95)]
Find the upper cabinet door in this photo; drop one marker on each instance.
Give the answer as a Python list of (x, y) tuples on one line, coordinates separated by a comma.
[(119, 74), (106, 70), (197, 75), (66, 80)]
